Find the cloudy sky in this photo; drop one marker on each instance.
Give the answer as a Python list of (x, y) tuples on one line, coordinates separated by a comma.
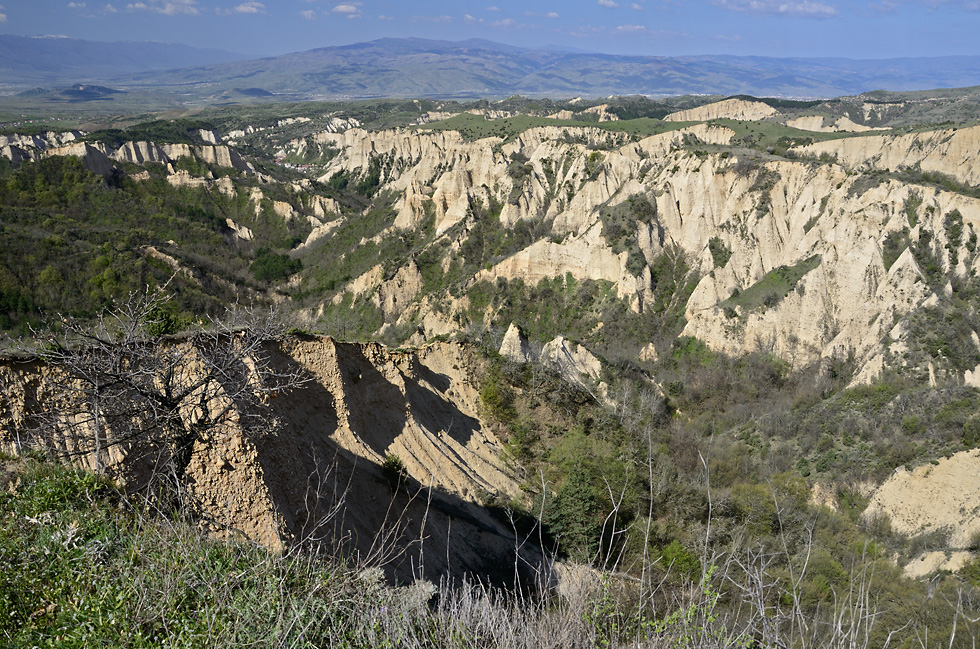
[(848, 28)]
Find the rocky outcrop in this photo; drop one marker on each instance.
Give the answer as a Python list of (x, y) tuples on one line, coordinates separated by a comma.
[(92, 156), (515, 346), (16, 154), (576, 364), (139, 153), (98, 158), (819, 218), (240, 231), (398, 294), (819, 124), (360, 404), (948, 151), (51, 139), (725, 109), (221, 156), (943, 496)]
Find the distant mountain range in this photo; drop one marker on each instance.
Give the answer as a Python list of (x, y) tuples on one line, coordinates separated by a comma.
[(53, 60), (474, 68)]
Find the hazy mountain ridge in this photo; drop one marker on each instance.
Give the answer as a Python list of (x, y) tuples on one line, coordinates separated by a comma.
[(477, 68), (56, 60)]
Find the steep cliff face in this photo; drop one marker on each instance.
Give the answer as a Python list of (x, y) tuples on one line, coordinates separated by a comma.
[(808, 256), (98, 158), (820, 124), (810, 238), (319, 475), (725, 109), (950, 151)]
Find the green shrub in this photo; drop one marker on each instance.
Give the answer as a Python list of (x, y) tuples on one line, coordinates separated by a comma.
[(271, 266), (393, 470), (720, 252)]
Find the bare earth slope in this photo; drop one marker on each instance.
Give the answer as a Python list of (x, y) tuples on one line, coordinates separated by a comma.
[(319, 477)]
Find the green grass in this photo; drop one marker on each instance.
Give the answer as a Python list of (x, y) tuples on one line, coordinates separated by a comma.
[(773, 287), (764, 135)]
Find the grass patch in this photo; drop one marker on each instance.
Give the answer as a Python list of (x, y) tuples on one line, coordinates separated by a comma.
[(773, 287)]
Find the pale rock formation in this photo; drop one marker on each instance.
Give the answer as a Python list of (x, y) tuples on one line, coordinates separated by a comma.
[(240, 231), (972, 378), (929, 563), (490, 114), (92, 156), (585, 258), (397, 294), (602, 110), (140, 153), (174, 263), (185, 179), (292, 120), (515, 346), (780, 213), (322, 206), (948, 151), (367, 281), (283, 210), (434, 116), (818, 124), (40, 143), (648, 354), (824, 495), (319, 231), (562, 114), (16, 154), (23, 141), (577, 365), (360, 404), (725, 109), (940, 496)]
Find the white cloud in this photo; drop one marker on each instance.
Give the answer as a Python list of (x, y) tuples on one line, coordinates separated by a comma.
[(109, 9), (384, 17), (244, 8), (76, 5), (507, 22), (167, 7), (351, 10), (250, 8), (610, 4), (636, 7), (492, 8), (631, 29), (309, 14), (3, 18), (793, 8)]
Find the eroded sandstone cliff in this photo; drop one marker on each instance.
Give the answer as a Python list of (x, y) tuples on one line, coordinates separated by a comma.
[(317, 473)]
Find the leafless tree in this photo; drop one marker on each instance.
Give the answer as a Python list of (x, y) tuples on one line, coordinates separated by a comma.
[(124, 380)]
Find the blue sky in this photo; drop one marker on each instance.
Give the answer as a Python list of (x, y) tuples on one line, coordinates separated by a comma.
[(783, 28)]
